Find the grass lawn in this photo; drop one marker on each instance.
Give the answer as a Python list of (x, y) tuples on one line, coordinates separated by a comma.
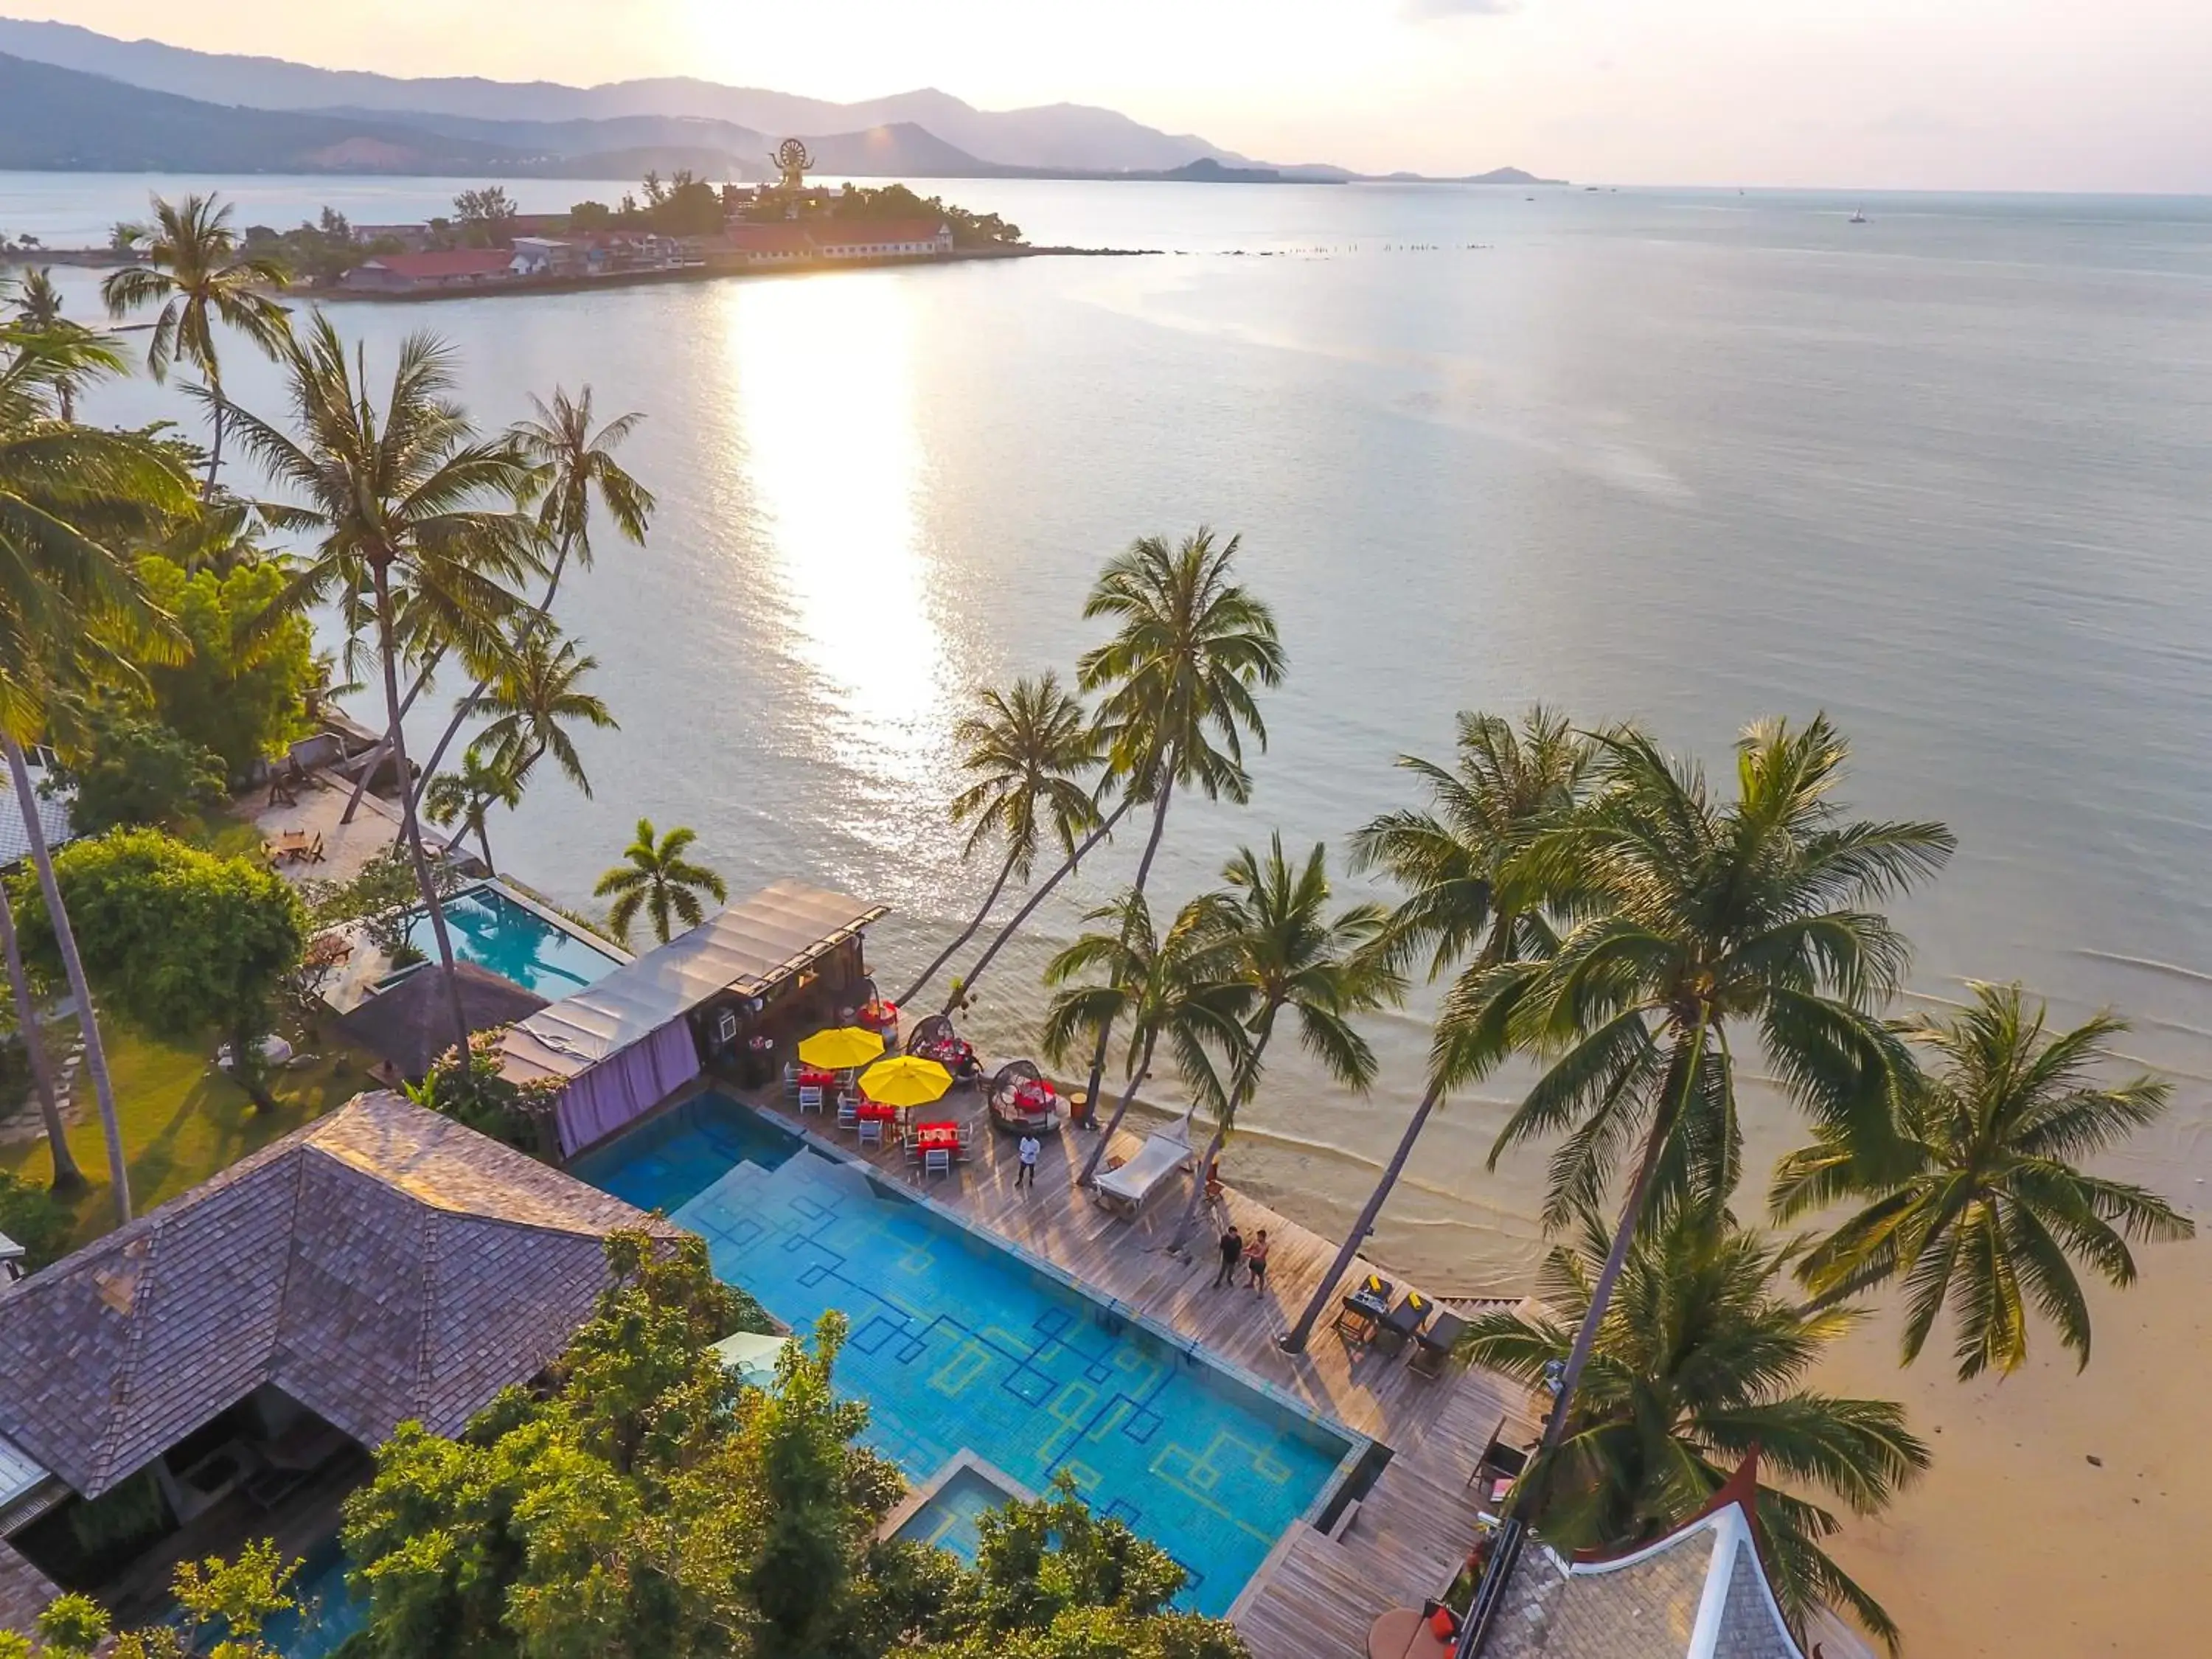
[(182, 1119)]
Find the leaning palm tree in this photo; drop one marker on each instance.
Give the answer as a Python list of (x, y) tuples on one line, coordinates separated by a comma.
[(573, 468), (656, 878), (1451, 860), (1699, 1363), (1990, 1207), (1281, 947), (1170, 988), (1190, 646), (199, 274), (464, 799), (68, 1178), (534, 700), (1694, 919), (406, 505), (38, 310), (74, 502), (1027, 750)]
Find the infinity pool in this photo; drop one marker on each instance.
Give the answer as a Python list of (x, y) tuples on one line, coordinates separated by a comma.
[(955, 1343), (513, 941)]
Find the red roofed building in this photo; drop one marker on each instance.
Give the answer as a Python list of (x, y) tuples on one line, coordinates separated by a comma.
[(777, 243), (414, 273), (792, 241)]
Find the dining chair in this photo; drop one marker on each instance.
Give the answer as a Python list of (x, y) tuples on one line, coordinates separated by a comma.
[(810, 1097), (871, 1129), (849, 1111), (791, 1079), (937, 1161)]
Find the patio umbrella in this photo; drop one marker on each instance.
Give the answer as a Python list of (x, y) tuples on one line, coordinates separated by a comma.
[(906, 1081), (835, 1050)]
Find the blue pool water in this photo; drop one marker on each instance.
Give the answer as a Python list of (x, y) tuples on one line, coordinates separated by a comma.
[(491, 930), (327, 1613), (957, 1343)]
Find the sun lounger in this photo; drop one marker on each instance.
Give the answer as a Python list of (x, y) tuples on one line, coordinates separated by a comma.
[(1125, 1190), (1433, 1346)]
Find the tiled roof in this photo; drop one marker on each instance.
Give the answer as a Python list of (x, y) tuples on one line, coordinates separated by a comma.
[(381, 1264), (454, 262), (53, 818), (24, 1592), (410, 1023), (874, 233)]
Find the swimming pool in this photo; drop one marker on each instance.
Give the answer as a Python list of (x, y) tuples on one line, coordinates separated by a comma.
[(491, 930), (957, 1344), (327, 1613)]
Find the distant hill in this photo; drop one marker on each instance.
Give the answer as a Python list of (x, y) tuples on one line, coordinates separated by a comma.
[(1057, 136), (57, 119)]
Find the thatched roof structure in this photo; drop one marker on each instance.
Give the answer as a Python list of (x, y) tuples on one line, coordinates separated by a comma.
[(411, 1023)]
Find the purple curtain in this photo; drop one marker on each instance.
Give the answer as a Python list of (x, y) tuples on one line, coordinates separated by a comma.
[(625, 1087)]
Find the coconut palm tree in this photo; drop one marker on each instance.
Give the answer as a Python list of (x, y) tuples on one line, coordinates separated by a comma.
[(1027, 749), (1281, 947), (74, 503), (1176, 682), (1699, 1363), (1170, 988), (1450, 859), (1989, 1209), (534, 700), (68, 1178), (573, 468), (199, 274), (408, 507), (38, 310), (656, 878), (464, 798), (1693, 919)]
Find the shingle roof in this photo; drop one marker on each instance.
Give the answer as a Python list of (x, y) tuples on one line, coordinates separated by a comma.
[(24, 1592), (411, 1024), (53, 819), (1698, 1593), (430, 267), (381, 1264)]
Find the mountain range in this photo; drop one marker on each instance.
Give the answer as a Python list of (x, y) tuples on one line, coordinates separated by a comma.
[(74, 100)]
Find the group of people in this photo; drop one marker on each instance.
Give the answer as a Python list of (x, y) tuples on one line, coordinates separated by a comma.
[(1251, 1254)]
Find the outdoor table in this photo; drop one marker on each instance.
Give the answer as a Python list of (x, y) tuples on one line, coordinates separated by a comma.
[(817, 1079), (875, 1111), (1365, 1309), (933, 1136)]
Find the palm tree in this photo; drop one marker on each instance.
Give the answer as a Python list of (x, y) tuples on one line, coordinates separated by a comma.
[(68, 1178), (1451, 861), (1026, 749), (660, 880), (199, 274), (1694, 918), (1171, 988), (74, 502), (573, 466), (1190, 647), (1699, 1363), (464, 798), (38, 310), (407, 504), (534, 699), (1990, 1206), (1283, 949)]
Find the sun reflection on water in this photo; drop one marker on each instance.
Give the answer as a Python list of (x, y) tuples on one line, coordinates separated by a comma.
[(823, 368)]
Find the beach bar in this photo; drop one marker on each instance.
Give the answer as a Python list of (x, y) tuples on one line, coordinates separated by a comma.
[(741, 987)]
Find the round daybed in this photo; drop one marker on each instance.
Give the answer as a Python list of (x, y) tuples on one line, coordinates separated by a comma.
[(1022, 1103)]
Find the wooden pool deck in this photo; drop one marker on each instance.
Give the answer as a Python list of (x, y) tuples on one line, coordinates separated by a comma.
[(1316, 1596)]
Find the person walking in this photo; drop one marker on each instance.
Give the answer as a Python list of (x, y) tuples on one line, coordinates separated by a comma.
[(1232, 1252), (1256, 1260), (1028, 1150)]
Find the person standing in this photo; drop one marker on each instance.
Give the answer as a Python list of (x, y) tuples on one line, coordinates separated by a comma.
[(1256, 1260), (1232, 1252), (1028, 1150)]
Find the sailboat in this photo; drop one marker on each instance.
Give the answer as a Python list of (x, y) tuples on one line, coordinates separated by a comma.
[(1858, 216)]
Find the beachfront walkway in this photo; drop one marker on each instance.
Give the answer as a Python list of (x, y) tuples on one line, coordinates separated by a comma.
[(1316, 1596)]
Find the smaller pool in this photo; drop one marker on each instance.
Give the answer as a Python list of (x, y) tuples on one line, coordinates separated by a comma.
[(513, 941), (948, 1519), (327, 1613)]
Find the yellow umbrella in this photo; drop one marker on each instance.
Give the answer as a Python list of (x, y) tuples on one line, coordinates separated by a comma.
[(906, 1081), (835, 1050)]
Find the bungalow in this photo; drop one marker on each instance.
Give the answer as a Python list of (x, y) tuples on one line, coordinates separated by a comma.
[(217, 1370), (543, 256), (416, 273)]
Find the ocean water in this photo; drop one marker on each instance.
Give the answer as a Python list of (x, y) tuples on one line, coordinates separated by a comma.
[(1692, 458)]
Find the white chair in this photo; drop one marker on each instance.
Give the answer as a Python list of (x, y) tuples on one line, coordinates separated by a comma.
[(809, 1099), (937, 1161), (849, 1111), (871, 1129), (791, 1079), (1125, 1190)]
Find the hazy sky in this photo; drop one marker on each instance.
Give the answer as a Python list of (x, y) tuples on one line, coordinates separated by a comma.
[(1989, 93)]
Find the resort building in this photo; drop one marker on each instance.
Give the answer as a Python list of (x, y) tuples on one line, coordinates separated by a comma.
[(743, 985), (794, 242), (544, 256), (409, 1022), (415, 273), (216, 1369)]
